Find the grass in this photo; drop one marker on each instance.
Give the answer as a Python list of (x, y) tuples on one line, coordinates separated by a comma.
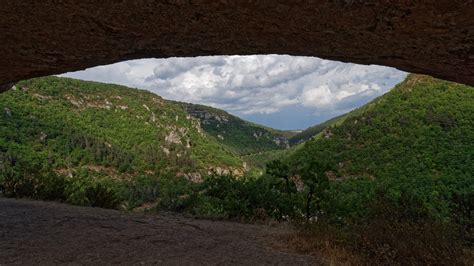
[(382, 243)]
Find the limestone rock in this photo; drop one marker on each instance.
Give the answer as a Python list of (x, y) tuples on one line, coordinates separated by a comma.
[(8, 111), (173, 137)]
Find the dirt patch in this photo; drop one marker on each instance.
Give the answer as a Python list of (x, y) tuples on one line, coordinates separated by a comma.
[(35, 232)]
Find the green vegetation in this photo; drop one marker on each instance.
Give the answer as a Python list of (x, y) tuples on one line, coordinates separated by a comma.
[(241, 136), (67, 125), (403, 171), (94, 144), (419, 137), (258, 161), (313, 131), (391, 182)]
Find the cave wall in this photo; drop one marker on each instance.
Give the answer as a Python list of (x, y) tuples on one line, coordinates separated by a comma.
[(50, 37)]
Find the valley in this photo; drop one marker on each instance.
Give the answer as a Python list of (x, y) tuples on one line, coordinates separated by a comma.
[(237, 132), (113, 129), (399, 167)]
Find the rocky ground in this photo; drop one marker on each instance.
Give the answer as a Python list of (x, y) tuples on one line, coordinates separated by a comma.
[(35, 232)]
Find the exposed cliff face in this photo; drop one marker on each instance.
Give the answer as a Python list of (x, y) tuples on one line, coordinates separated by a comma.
[(41, 37)]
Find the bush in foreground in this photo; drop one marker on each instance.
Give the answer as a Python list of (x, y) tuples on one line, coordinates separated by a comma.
[(355, 220)]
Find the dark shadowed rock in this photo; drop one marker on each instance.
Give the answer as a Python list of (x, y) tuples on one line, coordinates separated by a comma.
[(43, 37)]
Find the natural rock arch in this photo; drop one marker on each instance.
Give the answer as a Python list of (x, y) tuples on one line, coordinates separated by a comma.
[(50, 37)]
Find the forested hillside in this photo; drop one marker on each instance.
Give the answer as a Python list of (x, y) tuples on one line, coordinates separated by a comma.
[(389, 183), (393, 183), (241, 136), (67, 124), (416, 140), (422, 128)]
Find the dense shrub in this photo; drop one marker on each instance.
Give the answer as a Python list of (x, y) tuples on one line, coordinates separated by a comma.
[(44, 184), (248, 198), (140, 190), (92, 193), (377, 220), (176, 194), (463, 215), (25, 180), (227, 197)]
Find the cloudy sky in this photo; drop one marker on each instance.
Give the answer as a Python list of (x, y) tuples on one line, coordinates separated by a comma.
[(284, 92)]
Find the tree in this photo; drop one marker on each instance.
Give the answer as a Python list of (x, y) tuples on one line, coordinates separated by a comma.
[(313, 174), (280, 170)]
